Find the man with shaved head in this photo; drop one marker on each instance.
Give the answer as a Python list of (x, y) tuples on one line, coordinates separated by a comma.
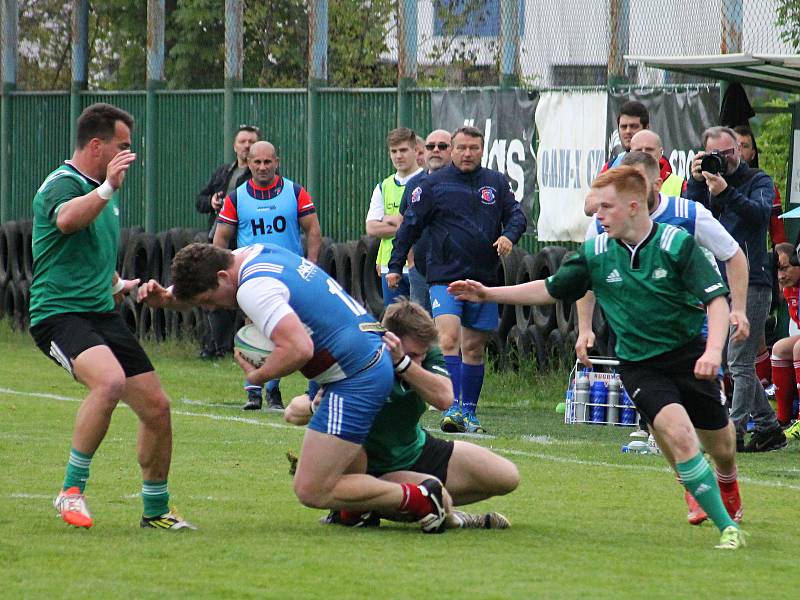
[(273, 209), (649, 141), (437, 155)]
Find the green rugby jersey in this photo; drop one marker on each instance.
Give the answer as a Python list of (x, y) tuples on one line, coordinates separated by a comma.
[(649, 294), (71, 272), (396, 438)]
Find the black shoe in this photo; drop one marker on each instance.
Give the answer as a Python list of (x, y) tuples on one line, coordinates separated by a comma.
[(766, 441), (206, 354), (433, 522), (367, 519), (274, 399), (253, 400)]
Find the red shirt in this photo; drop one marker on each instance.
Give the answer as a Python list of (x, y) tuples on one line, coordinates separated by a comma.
[(791, 293)]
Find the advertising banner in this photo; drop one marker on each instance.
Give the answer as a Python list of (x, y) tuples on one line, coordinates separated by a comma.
[(571, 128), (506, 119), (678, 117)]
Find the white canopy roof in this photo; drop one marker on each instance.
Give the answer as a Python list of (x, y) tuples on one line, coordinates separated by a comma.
[(774, 71)]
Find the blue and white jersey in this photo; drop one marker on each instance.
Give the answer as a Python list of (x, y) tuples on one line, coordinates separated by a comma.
[(274, 282), (267, 215), (692, 217)]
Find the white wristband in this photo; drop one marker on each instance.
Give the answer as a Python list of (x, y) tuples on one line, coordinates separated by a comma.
[(106, 190), (118, 287), (403, 365)]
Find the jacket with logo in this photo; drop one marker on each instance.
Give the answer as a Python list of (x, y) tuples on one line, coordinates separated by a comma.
[(464, 213)]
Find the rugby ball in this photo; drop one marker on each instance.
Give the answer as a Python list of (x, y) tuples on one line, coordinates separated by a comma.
[(253, 345)]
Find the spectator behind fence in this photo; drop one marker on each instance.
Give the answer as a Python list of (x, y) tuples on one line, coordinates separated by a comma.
[(420, 152), (777, 234), (268, 208), (650, 142), (741, 198), (383, 216), (632, 118), (437, 155), (226, 178), (472, 218), (786, 352)]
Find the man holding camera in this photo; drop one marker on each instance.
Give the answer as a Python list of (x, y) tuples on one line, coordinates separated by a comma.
[(741, 198)]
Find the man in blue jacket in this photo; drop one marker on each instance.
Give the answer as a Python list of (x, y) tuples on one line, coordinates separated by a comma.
[(741, 198), (472, 218)]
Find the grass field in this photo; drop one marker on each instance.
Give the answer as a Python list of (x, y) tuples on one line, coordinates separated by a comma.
[(587, 520)]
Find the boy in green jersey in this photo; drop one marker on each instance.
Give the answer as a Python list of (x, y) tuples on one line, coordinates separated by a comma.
[(398, 449), (648, 279), (73, 316)]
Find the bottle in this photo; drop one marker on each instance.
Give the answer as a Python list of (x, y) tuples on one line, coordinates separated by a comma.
[(599, 395), (582, 398), (613, 401), (569, 402), (628, 412), (636, 447)]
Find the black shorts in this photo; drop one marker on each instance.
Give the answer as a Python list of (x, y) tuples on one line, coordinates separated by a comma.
[(669, 378), (64, 337), (434, 458)]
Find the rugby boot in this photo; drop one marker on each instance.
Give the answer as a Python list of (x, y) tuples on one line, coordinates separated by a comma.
[(170, 521), (71, 507)]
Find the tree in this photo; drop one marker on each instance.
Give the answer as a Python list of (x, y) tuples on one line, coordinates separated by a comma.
[(275, 43), (787, 18), (44, 45)]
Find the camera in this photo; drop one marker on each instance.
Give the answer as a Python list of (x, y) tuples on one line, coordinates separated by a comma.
[(713, 162)]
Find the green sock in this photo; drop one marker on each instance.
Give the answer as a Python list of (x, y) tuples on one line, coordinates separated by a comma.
[(699, 479), (155, 498), (77, 470)]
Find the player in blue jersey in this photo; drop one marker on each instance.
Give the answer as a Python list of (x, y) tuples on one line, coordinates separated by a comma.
[(268, 208), (319, 330)]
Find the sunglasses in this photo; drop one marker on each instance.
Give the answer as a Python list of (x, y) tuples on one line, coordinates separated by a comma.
[(250, 128), (440, 146)]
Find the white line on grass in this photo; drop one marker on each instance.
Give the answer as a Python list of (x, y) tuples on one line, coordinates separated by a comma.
[(32, 496), (558, 459), (174, 412)]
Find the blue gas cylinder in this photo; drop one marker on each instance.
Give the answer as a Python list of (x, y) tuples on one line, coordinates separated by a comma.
[(629, 412), (599, 395)]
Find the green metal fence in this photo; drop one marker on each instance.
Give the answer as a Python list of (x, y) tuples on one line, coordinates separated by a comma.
[(190, 146), (39, 142), (354, 125)]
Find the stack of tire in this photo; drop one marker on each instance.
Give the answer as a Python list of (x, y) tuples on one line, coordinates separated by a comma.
[(16, 272), (543, 336), (146, 256)]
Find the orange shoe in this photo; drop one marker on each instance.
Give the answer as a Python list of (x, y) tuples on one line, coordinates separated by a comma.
[(71, 507), (733, 504), (696, 513)]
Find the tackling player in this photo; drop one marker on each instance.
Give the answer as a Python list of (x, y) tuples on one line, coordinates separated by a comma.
[(398, 449), (648, 277)]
